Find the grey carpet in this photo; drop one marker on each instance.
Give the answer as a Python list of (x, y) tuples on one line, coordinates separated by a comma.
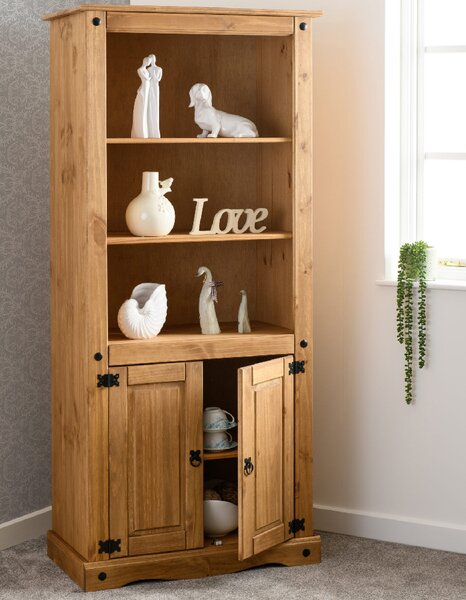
[(352, 569)]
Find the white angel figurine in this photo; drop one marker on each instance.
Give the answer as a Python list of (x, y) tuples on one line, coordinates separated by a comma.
[(243, 317), (146, 112), (207, 300)]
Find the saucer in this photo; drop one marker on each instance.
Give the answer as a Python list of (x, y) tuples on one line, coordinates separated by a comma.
[(230, 446), (219, 428)]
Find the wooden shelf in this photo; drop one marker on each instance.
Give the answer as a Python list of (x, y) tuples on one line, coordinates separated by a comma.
[(220, 455), (186, 342), (123, 238), (195, 140)]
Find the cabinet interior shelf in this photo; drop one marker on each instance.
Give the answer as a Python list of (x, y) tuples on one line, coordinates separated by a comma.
[(185, 342), (220, 455), (123, 238), (195, 140)]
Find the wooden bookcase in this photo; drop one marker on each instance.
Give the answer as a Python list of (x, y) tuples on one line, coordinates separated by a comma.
[(127, 502)]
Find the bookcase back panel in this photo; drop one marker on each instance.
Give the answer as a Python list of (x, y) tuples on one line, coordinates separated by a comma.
[(226, 175), (247, 75), (176, 265)]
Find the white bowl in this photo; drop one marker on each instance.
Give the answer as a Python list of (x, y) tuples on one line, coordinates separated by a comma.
[(220, 517)]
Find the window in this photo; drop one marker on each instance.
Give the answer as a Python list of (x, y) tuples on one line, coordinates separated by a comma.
[(426, 130)]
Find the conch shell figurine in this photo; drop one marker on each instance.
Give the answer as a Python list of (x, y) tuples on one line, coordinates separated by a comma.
[(144, 314), (207, 300)]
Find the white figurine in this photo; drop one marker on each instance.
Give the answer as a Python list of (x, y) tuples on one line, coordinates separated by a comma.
[(207, 300), (215, 122), (243, 317), (143, 315), (146, 119)]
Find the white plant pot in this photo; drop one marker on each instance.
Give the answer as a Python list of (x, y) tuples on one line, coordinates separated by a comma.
[(144, 314), (431, 264), (150, 213)]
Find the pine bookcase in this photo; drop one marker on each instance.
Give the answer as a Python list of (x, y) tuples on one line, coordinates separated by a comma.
[(127, 414)]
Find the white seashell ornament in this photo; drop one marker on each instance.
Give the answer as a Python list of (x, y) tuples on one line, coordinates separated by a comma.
[(144, 314)]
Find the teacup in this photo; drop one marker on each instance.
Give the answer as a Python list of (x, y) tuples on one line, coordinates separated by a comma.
[(214, 440), (215, 418)]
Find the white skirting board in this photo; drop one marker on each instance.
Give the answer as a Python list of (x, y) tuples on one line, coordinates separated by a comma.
[(25, 528), (391, 528)]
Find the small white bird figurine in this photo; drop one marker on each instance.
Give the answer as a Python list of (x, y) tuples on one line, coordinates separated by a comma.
[(207, 299), (243, 319)]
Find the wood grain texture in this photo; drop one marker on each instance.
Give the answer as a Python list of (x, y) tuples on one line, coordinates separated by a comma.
[(205, 562), (66, 558), (181, 10), (302, 244), (156, 418), (156, 373), (78, 288), (221, 455), (274, 180), (159, 542), (194, 484), (123, 239), (195, 140), (186, 342), (265, 436), (156, 468), (118, 461), (199, 24), (246, 91), (268, 539)]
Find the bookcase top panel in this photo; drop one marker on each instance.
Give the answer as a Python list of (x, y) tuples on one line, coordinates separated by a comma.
[(181, 10)]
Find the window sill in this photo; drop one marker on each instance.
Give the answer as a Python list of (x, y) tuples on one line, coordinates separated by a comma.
[(438, 284)]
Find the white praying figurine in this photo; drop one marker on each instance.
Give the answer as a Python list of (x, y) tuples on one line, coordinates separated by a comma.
[(207, 300), (146, 112), (215, 122), (243, 318)]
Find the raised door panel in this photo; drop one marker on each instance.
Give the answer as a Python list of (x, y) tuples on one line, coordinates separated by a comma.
[(265, 476), (155, 452), (155, 420)]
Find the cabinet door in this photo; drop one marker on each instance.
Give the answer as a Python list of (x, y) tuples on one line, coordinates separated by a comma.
[(265, 461), (155, 420)]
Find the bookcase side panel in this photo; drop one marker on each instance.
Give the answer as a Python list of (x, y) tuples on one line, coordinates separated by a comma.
[(78, 282), (302, 240)]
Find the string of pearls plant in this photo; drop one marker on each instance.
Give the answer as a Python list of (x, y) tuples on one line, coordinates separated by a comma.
[(412, 267)]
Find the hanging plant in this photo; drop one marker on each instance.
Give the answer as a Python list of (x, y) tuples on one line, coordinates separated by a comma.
[(412, 267)]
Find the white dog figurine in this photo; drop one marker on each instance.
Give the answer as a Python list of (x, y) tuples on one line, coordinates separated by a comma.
[(215, 122)]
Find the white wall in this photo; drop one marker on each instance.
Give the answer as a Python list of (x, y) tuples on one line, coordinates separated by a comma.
[(382, 469)]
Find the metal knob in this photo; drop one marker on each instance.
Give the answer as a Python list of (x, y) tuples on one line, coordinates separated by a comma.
[(303, 26), (195, 458), (248, 466)]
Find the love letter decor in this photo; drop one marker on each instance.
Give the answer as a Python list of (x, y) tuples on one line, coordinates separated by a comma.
[(232, 223)]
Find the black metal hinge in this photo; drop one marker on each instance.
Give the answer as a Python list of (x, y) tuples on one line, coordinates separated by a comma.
[(108, 380), (297, 366), (296, 525), (109, 546)]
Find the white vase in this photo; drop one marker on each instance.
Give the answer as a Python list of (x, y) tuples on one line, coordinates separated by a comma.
[(150, 213), (144, 314)]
